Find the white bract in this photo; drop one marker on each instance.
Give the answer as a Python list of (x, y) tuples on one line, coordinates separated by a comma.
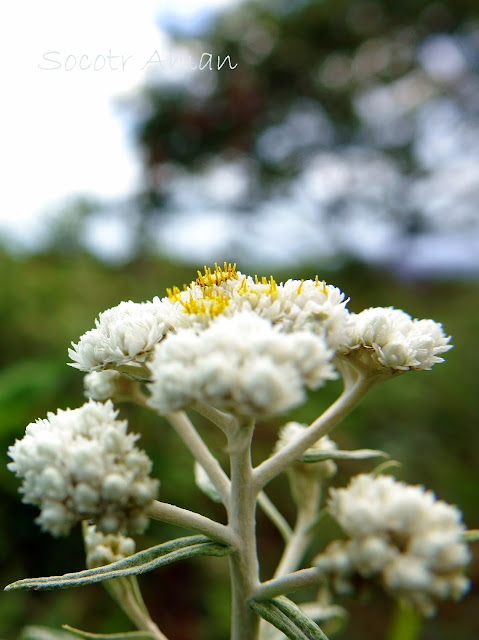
[(124, 335), (394, 341), (81, 464), (400, 534), (239, 363)]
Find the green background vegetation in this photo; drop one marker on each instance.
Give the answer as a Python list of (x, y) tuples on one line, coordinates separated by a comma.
[(427, 420)]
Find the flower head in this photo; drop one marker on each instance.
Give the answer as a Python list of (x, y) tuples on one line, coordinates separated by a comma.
[(388, 339), (81, 464), (104, 548), (124, 335), (401, 535), (290, 432), (239, 363), (101, 385)]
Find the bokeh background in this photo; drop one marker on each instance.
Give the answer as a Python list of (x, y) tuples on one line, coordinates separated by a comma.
[(338, 139)]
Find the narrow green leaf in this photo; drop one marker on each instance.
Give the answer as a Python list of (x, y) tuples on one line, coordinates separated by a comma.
[(141, 562), (128, 635), (335, 454), (283, 614)]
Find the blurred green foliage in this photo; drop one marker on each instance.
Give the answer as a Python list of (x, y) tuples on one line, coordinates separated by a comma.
[(427, 420)]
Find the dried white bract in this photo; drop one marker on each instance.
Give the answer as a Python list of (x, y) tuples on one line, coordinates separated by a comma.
[(81, 464), (239, 363), (104, 549), (124, 335), (401, 535), (389, 339)]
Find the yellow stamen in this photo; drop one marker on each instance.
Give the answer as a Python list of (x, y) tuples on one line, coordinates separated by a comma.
[(211, 304), (321, 285), (217, 275)]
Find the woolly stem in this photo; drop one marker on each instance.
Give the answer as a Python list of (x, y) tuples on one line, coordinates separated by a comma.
[(190, 520)]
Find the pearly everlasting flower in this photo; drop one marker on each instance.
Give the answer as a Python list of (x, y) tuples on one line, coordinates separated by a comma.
[(124, 335), (239, 363), (389, 339), (104, 549), (101, 385), (81, 464), (401, 535), (295, 305), (290, 432)]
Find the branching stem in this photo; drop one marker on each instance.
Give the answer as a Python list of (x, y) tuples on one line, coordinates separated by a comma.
[(190, 520), (273, 466), (244, 566), (187, 432), (289, 583)]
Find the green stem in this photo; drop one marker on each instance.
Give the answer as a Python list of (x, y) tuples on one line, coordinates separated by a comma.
[(406, 623), (244, 566)]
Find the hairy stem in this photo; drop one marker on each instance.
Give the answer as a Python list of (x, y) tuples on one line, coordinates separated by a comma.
[(225, 421), (277, 518), (121, 591), (289, 583), (273, 466), (297, 545), (190, 520), (244, 567), (187, 432)]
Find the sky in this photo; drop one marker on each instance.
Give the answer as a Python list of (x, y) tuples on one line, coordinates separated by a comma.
[(65, 67)]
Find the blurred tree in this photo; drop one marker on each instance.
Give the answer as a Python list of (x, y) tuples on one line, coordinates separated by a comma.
[(353, 112)]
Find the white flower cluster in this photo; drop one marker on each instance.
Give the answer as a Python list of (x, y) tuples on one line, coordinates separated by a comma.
[(401, 535), (295, 305), (81, 464), (394, 341), (290, 432), (239, 363), (101, 385), (104, 549), (124, 335), (235, 369), (127, 334)]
